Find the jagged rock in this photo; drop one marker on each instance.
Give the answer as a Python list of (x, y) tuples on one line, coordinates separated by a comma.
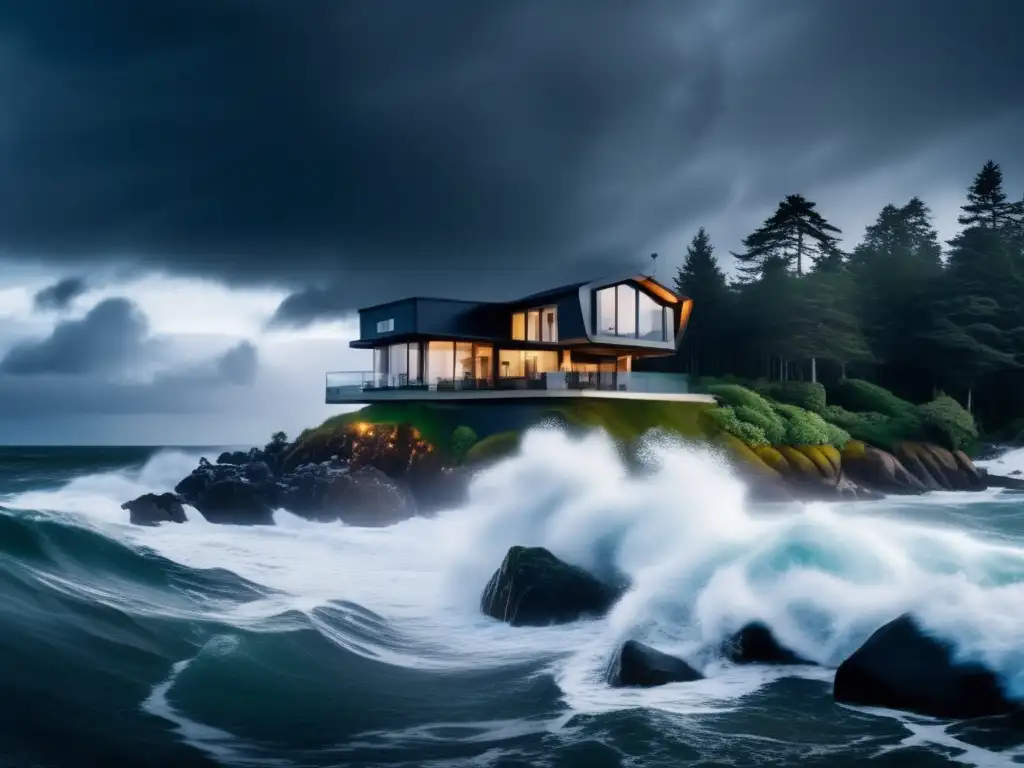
[(154, 508), (901, 666), (236, 458), (755, 643), (975, 478), (235, 502), (534, 588), (879, 471), (640, 666), (366, 497), (257, 472)]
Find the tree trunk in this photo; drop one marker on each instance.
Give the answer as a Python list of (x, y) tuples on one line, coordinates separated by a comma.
[(800, 252), (814, 370), (970, 399)]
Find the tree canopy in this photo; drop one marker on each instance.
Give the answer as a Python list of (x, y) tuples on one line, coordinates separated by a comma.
[(901, 309)]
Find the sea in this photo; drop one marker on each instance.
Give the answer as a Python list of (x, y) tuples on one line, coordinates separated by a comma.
[(309, 644)]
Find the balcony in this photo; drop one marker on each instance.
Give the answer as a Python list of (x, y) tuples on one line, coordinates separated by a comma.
[(367, 387)]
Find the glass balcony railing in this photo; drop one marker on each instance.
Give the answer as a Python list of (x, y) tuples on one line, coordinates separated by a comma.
[(349, 383)]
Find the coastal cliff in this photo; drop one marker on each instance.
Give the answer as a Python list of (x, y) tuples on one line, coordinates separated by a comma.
[(386, 462)]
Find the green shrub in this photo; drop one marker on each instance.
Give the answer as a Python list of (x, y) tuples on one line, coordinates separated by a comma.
[(808, 395), (726, 419), (874, 428), (948, 422), (863, 396), (773, 425), (805, 427), (735, 395), (463, 438)]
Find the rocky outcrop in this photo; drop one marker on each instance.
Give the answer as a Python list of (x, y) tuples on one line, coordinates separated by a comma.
[(878, 470), (901, 666), (151, 509), (235, 501), (636, 665), (532, 587), (755, 643), (379, 476)]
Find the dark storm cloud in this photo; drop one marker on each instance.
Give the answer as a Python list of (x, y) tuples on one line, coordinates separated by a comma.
[(107, 340), (359, 151), (60, 295)]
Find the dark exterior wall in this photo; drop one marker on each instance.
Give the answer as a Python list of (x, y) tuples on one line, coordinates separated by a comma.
[(402, 312), (570, 319), (437, 317)]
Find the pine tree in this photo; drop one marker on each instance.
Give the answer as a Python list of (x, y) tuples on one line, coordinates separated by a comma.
[(701, 278), (986, 204), (793, 236)]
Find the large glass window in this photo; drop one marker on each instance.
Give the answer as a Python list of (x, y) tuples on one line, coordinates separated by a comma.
[(517, 363), (380, 361), (399, 363), (519, 326), (533, 325), (463, 360), (482, 356), (670, 322), (414, 362), (549, 324), (606, 311), (651, 318), (625, 310), (440, 361)]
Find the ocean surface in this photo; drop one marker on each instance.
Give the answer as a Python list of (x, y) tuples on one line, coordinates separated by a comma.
[(324, 645)]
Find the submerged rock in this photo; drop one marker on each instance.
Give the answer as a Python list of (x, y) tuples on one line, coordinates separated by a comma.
[(755, 643), (640, 666), (155, 508), (902, 666), (534, 588)]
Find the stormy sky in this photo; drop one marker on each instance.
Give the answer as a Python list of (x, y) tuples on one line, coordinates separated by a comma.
[(196, 193)]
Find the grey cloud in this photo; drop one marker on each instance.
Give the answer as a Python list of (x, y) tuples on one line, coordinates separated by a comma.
[(459, 146), (59, 295), (107, 340), (239, 364)]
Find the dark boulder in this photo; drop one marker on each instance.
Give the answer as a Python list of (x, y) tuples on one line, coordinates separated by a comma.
[(365, 497), (534, 588), (195, 484), (902, 666), (257, 472), (236, 458), (755, 643), (153, 509), (235, 502), (640, 666)]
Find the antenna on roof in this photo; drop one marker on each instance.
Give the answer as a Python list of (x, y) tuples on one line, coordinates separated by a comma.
[(654, 265)]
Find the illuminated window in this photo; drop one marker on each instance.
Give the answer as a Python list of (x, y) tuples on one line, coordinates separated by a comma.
[(440, 361), (519, 326), (533, 326), (463, 360), (549, 324)]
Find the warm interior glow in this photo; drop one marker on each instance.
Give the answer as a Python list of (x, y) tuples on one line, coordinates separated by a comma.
[(684, 313), (658, 290)]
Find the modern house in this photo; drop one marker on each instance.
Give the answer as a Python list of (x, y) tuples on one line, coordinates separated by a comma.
[(579, 340)]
